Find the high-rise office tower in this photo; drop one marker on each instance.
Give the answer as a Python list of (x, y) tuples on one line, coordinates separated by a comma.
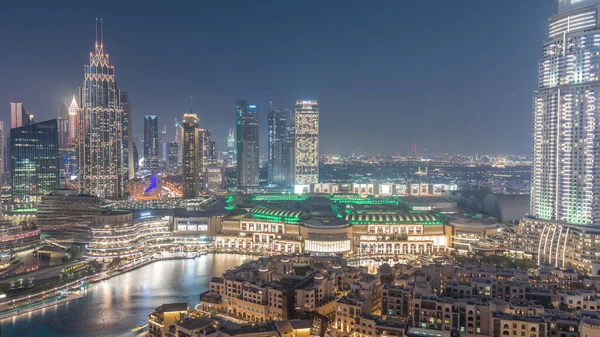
[(206, 148), (290, 140), (34, 161), (231, 147), (566, 158), (307, 142), (247, 144), (127, 137), (73, 111), (100, 128), (191, 156), (150, 136), (178, 132), (173, 156), (64, 110), (2, 153), (18, 115), (63, 131), (163, 145), (278, 155)]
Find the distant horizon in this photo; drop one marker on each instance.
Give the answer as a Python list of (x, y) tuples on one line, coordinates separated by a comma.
[(380, 85)]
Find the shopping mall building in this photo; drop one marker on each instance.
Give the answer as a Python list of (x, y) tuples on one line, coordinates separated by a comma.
[(318, 224)]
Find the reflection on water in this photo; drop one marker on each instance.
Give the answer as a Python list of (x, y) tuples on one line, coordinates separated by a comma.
[(115, 306)]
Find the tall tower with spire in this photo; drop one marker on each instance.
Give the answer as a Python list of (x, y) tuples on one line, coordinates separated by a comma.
[(73, 111), (100, 127)]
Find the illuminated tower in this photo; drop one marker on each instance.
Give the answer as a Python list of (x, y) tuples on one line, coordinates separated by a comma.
[(247, 144), (414, 150), (18, 115), (565, 183), (151, 144), (231, 148), (191, 156), (278, 148), (100, 128), (73, 111), (307, 142), (129, 163)]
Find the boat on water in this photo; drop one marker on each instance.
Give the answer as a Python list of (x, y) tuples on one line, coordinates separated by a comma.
[(138, 328)]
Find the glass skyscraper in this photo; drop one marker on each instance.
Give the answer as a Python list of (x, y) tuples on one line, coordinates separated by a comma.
[(247, 125), (278, 155), (34, 161), (191, 156), (565, 182), (127, 138), (100, 129), (307, 142), (150, 136)]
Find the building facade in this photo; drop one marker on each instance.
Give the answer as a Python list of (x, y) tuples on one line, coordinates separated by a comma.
[(100, 129), (566, 160), (191, 161), (247, 136), (127, 137), (151, 145), (307, 142), (278, 155), (18, 115), (73, 111), (34, 161)]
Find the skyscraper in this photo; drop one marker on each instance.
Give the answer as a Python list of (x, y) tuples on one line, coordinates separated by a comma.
[(307, 142), (63, 131), (127, 137), (566, 159), (34, 161), (2, 153), (191, 161), (163, 145), (278, 155), (18, 115), (290, 140), (173, 156), (73, 112), (247, 144), (231, 147), (151, 144), (100, 128)]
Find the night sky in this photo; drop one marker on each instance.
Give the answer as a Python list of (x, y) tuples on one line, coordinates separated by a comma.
[(454, 76)]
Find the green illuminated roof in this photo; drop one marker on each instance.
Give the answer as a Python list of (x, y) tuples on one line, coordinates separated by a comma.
[(364, 201), (279, 197), (271, 214)]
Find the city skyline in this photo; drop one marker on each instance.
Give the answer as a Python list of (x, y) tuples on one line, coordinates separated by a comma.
[(386, 79)]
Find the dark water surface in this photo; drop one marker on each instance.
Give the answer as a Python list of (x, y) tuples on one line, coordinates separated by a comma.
[(115, 306)]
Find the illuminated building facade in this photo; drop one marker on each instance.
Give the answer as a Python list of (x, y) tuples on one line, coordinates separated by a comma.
[(127, 138), (231, 147), (100, 129), (2, 152), (278, 147), (18, 115), (151, 137), (566, 159), (247, 126), (66, 207), (73, 111), (173, 156), (191, 152), (307, 142), (34, 161)]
